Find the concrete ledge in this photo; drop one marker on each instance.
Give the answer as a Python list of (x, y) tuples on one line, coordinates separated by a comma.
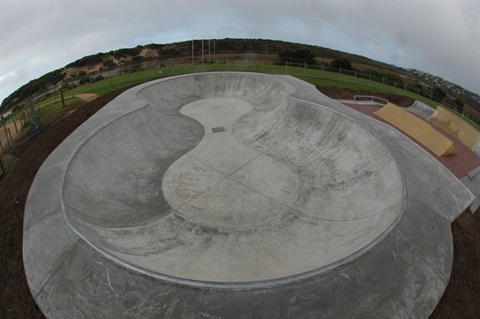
[(472, 182)]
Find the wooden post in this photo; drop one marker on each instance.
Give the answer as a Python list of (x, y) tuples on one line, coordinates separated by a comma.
[(61, 96), (1, 166), (6, 133)]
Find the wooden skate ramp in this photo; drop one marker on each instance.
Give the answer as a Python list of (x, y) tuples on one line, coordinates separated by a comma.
[(454, 125), (417, 128)]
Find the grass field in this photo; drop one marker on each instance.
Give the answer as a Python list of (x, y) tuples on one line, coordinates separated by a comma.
[(316, 77), (51, 106)]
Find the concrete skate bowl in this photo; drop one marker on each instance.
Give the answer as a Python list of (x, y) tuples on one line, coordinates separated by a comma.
[(238, 195), (226, 180)]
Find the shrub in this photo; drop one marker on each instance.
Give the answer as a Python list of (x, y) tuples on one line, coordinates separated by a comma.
[(302, 56), (341, 63)]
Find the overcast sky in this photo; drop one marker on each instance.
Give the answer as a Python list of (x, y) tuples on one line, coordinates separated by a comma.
[(438, 37)]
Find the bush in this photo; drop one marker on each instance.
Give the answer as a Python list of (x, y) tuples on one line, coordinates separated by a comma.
[(302, 56), (341, 63), (97, 78), (459, 103), (109, 64), (87, 61), (438, 94), (84, 80)]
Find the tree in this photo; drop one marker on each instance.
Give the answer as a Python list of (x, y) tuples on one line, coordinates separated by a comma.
[(84, 80), (459, 103), (438, 94), (341, 63), (302, 56)]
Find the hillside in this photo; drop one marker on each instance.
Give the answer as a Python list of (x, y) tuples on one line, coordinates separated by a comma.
[(233, 50)]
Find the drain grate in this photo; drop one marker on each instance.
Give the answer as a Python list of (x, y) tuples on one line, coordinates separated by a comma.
[(218, 129)]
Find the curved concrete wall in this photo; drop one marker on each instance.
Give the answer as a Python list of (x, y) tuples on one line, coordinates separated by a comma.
[(159, 190), (230, 208)]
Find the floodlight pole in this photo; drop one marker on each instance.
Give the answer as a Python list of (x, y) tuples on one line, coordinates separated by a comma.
[(192, 51), (202, 50), (209, 52)]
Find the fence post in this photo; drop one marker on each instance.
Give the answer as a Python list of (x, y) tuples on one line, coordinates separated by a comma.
[(34, 116), (1, 165), (6, 133)]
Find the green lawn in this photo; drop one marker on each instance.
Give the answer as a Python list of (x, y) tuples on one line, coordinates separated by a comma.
[(47, 113), (311, 75), (49, 108)]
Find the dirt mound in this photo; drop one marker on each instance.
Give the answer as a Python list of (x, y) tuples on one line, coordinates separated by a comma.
[(87, 97), (346, 94)]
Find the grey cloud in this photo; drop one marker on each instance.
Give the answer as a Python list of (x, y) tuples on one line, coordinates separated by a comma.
[(441, 38)]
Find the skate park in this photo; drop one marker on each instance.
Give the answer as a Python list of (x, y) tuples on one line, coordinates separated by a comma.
[(239, 195)]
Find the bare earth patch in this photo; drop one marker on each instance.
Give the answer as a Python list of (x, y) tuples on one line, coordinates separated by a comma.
[(87, 97)]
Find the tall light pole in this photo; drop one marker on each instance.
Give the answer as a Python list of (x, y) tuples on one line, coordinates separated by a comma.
[(202, 50)]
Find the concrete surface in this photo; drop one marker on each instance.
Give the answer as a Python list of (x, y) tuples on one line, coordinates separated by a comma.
[(238, 195), (472, 181), (421, 109), (418, 129)]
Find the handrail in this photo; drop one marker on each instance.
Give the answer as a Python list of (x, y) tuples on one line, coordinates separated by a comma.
[(371, 98)]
